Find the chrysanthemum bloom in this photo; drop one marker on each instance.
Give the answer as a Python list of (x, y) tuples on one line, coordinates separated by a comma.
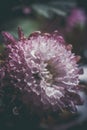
[(44, 69)]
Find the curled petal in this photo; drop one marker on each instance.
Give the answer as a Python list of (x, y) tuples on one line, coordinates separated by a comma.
[(20, 33), (8, 38)]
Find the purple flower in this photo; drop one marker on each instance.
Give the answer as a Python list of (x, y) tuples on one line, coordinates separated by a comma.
[(44, 69), (77, 17)]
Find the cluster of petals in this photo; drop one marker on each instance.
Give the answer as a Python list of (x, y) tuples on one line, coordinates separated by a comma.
[(44, 69)]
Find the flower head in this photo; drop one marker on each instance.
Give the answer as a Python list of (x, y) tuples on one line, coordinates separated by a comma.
[(44, 69), (77, 17)]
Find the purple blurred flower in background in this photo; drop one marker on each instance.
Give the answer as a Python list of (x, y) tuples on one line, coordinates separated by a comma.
[(26, 10), (44, 69), (76, 18)]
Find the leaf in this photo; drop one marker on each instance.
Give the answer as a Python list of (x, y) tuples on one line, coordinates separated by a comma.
[(54, 7)]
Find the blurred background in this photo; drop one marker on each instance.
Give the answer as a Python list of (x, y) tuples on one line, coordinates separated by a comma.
[(69, 17)]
